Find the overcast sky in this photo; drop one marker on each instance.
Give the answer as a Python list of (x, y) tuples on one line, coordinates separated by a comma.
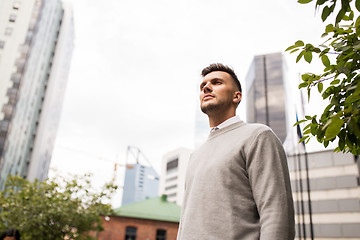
[(136, 69)]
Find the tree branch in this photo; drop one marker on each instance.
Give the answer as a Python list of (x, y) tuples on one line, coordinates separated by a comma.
[(321, 80)]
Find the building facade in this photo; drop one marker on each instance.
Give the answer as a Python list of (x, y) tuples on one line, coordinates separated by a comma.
[(28, 81), (334, 194), (265, 93), (151, 219), (141, 182), (202, 128), (53, 99), (173, 172)]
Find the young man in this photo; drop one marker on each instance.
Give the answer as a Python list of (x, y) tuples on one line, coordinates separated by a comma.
[(237, 184)]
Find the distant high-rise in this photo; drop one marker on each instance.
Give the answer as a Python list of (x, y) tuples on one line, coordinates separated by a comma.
[(266, 101), (35, 50), (202, 128), (141, 182), (173, 171)]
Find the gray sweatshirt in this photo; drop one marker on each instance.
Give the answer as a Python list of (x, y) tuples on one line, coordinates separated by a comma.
[(237, 187)]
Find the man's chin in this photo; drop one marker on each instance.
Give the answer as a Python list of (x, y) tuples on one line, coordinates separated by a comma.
[(208, 108)]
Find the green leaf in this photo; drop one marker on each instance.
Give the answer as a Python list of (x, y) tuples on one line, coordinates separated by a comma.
[(300, 55), (325, 60), (336, 81), (326, 93), (303, 139), (307, 132), (353, 126), (302, 85), (304, 1), (291, 47), (309, 46), (352, 98), (342, 136), (357, 22), (299, 43), (340, 15), (307, 126), (320, 87), (345, 48), (351, 15), (329, 28), (357, 46), (333, 128), (308, 117), (296, 49), (308, 56), (313, 129), (298, 122), (320, 2), (325, 13), (313, 120), (305, 77)]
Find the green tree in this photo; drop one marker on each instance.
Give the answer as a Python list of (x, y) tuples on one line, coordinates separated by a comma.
[(53, 210), (340, 55)]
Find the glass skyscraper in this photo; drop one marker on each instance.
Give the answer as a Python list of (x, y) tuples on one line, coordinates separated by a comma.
[(141, 182), (266, 101)]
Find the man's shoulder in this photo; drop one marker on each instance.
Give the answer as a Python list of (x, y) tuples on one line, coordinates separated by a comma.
[(254, 127), (252, 131)]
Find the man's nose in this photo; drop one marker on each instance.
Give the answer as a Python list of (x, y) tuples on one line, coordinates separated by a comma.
[(207, 88)]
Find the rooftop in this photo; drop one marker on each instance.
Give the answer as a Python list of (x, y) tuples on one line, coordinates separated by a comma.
[(154, 208)]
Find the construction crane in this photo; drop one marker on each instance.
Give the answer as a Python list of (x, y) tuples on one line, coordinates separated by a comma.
[(136, 153), (116, 165)]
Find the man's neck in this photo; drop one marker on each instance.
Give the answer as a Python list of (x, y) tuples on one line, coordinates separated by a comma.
[(216, 120)]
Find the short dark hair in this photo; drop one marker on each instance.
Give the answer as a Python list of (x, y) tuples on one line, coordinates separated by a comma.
[(11, 233), (223, 68)]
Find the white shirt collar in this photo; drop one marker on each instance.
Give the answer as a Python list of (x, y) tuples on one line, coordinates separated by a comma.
[(226, 123)]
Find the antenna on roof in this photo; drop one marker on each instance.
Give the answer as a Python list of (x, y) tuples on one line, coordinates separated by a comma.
[(137, 153)]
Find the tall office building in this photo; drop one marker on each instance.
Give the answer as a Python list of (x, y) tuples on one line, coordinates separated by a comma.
[(266, 100), (53, 101), (334, 194), (35, 51), (141, 182), (173, 171), (202, 128), (333, 177)]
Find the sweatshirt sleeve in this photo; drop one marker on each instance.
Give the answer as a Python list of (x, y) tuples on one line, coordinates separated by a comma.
[(269, 180)]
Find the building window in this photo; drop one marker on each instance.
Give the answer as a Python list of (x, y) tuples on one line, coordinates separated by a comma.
[(171, 179), (16, 5), (12, 18), (171, 166), (171, 195), (160, 234), (8, 31), (2, 44), (171, 187), (130, 233)]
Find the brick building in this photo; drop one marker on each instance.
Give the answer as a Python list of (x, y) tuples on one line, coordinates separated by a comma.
[(151, 219)]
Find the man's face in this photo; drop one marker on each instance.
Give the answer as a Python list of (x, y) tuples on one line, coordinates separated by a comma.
[(9, 238), (218, 93)]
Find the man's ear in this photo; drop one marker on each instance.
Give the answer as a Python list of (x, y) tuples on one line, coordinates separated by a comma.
[(237, 97)]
